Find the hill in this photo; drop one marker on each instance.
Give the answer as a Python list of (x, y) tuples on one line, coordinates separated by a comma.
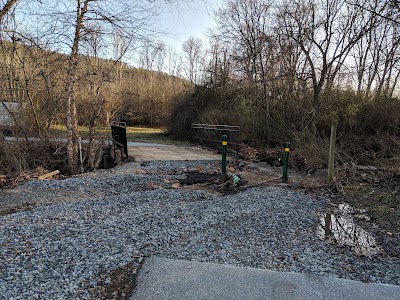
[(104, 88)]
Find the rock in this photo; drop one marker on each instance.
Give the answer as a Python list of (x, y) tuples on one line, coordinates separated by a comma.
[(149, 185), (175, 185), (296, 185)]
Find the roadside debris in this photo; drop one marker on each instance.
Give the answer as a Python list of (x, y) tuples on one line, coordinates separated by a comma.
[(231, 185), (40, 173), (49, 175)]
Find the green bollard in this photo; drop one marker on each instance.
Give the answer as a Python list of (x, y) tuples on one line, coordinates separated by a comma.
[(224, 146), (285, 162)]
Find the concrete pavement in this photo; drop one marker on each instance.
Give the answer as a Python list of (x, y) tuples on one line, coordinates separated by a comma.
[(169, 279), (150, 152)]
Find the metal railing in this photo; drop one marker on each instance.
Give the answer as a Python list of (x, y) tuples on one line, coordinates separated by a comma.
[(119, 140), (118, 146), (209, 136)]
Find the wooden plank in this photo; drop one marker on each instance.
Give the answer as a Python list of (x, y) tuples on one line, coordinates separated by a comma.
[(332, 146)]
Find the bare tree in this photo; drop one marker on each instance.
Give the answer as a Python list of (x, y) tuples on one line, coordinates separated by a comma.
[(7, 7), (71, 114), (219, 71), (152, 55), (100, 77), (192, 49), (248, 28), (376, 55), (129, 18), (173, 61), (391, 11), (326, 31)]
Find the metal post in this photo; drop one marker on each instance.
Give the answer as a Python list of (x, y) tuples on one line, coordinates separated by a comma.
[(224, 146), (80, 154), (285, 162)]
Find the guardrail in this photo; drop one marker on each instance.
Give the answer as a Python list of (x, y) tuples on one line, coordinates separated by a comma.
[(209, 136)]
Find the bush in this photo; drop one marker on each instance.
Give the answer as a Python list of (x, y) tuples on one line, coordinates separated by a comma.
[(16, 157)]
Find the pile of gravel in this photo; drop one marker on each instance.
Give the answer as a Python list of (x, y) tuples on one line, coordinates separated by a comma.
[(36, 193), (69, 250)]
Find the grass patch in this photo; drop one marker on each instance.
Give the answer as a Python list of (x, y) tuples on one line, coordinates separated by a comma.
[(380, 199)]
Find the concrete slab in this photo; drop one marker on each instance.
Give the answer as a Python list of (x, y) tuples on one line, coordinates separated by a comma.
[(162, 278), (151, 151), (170, 152), (143, 144)]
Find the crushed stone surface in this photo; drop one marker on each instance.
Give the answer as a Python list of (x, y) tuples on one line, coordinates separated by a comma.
[(67, 249)]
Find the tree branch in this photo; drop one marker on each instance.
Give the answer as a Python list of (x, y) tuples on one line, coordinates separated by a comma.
[(7, 7)]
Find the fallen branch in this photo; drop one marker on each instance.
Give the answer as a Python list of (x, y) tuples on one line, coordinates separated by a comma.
[(48, 175), (367, 168), (224, 184)]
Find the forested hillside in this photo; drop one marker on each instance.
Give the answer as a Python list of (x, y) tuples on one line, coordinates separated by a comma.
[(36, 79), (104, 91)]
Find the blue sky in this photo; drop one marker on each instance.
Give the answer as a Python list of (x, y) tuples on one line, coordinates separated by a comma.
[(176, 19), (179, 18), (188, 18)]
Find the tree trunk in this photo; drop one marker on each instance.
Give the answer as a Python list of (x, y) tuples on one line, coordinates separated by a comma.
[(98, 105), (71, 115), (72, 147)]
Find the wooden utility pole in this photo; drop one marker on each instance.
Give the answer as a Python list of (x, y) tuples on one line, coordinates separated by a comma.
[(332, 145)]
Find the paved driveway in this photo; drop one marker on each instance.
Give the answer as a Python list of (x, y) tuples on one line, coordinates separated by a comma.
[(170, 279)]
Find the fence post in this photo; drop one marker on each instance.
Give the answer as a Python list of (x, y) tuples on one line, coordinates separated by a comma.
[(223, 168), (332, 145), (80, 155), (285, 162)]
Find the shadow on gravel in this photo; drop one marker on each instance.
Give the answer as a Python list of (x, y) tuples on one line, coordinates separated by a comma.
[(210, 182), (20, 208), (195, 177)]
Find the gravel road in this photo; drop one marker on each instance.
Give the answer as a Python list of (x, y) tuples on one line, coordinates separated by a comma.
[(84, 248)]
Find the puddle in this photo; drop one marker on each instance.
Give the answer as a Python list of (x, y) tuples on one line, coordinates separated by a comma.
[(340, 228)]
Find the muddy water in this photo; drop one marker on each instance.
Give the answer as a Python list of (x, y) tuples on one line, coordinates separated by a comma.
[(340, 228)]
